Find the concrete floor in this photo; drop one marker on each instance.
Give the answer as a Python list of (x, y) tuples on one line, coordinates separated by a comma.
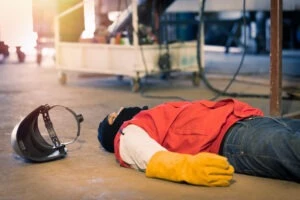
[(88, 172)]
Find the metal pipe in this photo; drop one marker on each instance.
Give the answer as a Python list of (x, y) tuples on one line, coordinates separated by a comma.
[(135, 23), (276, 58)]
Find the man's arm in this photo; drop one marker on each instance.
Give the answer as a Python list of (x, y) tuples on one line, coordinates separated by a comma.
[(141, 152), (137, 147)]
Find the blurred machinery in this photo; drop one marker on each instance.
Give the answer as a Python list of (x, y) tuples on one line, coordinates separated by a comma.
[(141, 40), (43, 24), (130, 46), (4, 53), (16, 31)]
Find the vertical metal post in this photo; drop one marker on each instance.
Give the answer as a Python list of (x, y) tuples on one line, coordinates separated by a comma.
[(135, 23), (276, 58), (202, 41)]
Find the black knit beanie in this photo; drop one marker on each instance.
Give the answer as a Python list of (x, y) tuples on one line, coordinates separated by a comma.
[(107, 133)]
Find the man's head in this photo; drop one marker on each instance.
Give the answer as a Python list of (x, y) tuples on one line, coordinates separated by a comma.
[(110, 125)]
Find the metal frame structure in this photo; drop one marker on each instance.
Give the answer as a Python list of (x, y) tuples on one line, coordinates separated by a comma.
[(276, 61), (276, 8), (276, 58), (130, 60)]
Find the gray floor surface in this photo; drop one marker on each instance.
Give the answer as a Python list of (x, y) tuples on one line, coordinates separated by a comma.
[(88, 172)]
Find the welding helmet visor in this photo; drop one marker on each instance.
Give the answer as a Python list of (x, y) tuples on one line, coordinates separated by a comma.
[(34, 145)]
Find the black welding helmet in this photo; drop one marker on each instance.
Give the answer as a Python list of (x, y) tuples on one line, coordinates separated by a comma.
[(37, 143)]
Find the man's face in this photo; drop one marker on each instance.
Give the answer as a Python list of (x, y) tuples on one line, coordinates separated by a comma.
[(109, 127), (112, 116)]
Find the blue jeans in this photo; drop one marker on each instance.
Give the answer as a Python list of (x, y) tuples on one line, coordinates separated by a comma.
[(265, 146)]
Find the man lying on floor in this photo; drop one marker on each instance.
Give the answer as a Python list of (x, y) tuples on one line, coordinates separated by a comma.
[(203, 142)]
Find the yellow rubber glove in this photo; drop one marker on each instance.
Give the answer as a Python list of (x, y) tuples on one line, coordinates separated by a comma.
[(205, 169)]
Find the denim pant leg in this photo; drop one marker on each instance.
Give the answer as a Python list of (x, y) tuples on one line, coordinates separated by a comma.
[(265, 146)]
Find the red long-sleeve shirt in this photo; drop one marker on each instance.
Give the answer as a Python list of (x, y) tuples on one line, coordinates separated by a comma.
[(190, 127)]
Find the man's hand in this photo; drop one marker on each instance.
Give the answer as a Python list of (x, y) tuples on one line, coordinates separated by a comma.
[(205, 169)]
